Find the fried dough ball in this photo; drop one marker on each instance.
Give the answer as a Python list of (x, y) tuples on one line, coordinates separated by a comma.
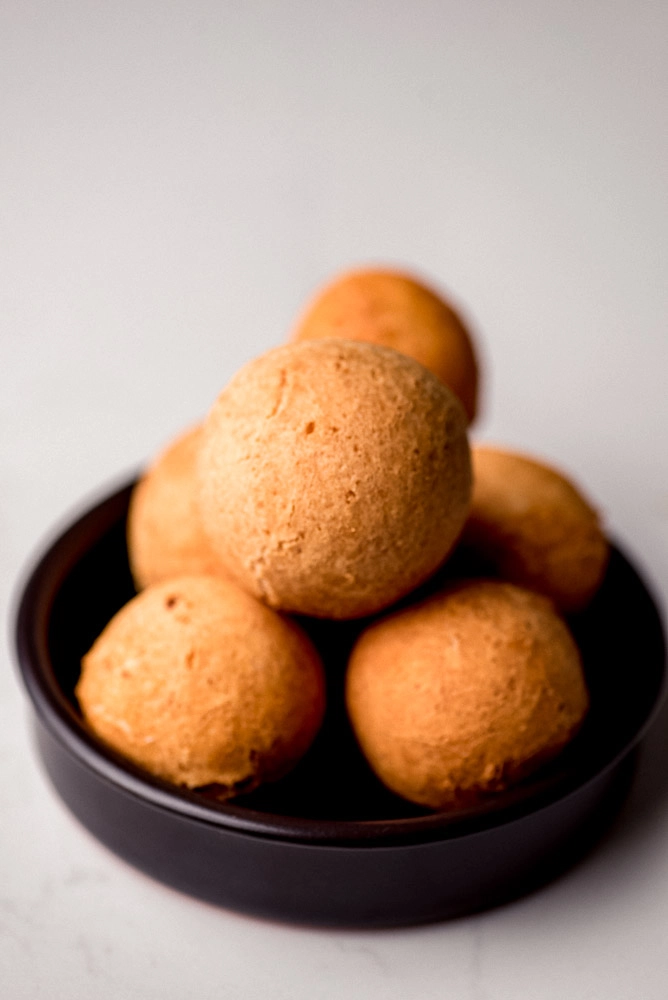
[(465, 693), (396, 310), (335, 477), (201, 684), (164, 532), (535, 528)]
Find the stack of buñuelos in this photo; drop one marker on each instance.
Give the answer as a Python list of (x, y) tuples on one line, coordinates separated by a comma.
[(333, 478)]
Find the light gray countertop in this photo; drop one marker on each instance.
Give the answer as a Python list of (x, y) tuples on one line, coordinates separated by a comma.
[(175, 180)]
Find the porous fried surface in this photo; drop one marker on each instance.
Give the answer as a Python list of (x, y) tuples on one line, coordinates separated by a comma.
[(535, 527), (335, 476), (164, 532), (465, 693), (395, 309), (201, 684)]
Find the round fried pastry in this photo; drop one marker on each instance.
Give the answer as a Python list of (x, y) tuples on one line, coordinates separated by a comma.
[(164, 532), (335, 476), (535, 527), (396, 310), (201, 684), (465, 693)]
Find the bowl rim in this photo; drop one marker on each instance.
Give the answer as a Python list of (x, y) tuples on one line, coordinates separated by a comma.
[(33, 602)]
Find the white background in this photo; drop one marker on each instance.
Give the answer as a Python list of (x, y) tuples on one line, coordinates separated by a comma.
[(175, 179)]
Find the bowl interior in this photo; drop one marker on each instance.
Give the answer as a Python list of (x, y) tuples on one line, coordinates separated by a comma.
[(84, 578)]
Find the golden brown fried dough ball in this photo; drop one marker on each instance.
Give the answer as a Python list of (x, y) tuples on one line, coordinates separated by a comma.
[(164, 532), (535, 527), (396, 310), (201, 684), (465, 693), (335, 476)]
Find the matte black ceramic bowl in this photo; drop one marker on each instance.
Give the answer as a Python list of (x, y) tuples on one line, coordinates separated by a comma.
[(328, 844)]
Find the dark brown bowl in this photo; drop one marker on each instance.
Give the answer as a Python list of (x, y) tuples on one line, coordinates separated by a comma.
[(328, 844)]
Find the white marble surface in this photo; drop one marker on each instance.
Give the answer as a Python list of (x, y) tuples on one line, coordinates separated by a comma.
[(174, 180)]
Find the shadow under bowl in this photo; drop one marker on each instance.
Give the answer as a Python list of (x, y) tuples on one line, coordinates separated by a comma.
[(328, 844)]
